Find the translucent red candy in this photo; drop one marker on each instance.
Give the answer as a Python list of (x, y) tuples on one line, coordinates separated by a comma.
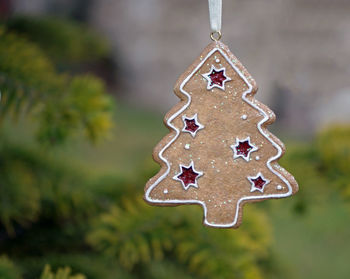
[(259, 182), (191, 125), (243, 148), (217, 77), (188, 176)]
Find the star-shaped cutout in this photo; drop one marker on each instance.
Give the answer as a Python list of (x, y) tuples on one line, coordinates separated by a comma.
[(216, 78), (191, 125), (243, 148), (258, 182), (188, 176)]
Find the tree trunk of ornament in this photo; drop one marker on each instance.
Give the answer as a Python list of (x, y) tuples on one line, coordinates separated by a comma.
[(218, 153)]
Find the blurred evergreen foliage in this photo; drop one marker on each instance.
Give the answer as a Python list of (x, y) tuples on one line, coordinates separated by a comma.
[(323, 163), (333, 145), (72, 42), (8, 270), (92, 265), (63, 105), (62, 273), (42, 183), (177, 235)]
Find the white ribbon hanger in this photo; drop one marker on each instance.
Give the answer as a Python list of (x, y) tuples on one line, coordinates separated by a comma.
[(215, 16)]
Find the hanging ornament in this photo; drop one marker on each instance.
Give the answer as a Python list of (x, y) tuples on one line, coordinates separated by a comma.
[(219, 153)]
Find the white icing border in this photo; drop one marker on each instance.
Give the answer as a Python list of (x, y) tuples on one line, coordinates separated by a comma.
[(207, 77), (259, 126), (194, 117), (234, 149), (250, 178), (195, 184)]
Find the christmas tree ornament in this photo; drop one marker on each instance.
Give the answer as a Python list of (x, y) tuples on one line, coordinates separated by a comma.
[(218, 153)]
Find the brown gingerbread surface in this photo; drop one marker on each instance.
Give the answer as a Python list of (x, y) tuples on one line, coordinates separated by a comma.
[(218, 153)]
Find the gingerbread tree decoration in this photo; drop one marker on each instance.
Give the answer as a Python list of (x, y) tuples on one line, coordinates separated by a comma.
[(218, 153)]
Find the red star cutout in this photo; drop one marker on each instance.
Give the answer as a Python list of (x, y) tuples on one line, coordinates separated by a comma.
[(217, 77), (243, 148), (188, 176), (191, 125), (258, 182)]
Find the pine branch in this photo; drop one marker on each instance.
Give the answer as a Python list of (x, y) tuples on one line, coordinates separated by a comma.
[(72, 42), (8, 270), (62, 273), (64, 106), (135, 233)]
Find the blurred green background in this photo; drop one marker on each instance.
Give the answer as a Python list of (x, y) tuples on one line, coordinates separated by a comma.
[(74, 158)]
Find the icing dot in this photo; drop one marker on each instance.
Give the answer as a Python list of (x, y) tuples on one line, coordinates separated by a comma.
[(217, 60), (187, 146), (279, 187), (165, 191), (244, 116), (257, 158)]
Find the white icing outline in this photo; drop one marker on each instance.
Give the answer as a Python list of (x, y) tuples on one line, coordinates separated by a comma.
[(195, 184), (259, 126), (234, 149), (207, 77), (250, 178), (194, 117)]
